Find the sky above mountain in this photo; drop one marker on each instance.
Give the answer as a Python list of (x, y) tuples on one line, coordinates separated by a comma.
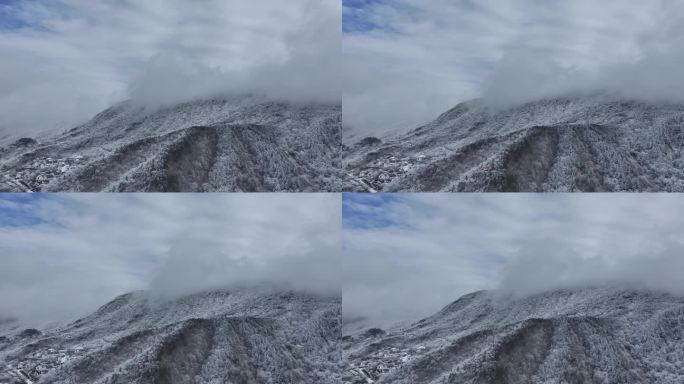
[(408, 255), (65, 255), (65, 60), (406, 61)]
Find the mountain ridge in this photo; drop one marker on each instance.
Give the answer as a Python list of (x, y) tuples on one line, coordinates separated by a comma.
[(231, 144), (589, 335), (241, 336), (590, 143)]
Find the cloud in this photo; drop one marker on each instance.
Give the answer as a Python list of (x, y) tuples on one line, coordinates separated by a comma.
[(406, 257), (288, 241), (64, 256), (551, 263), (418, 58), (299, 60), (66, 60)]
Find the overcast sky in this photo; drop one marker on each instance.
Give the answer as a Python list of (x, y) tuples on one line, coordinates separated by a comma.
[(65, 60), (65, 255), (407, 61), (408, 255)]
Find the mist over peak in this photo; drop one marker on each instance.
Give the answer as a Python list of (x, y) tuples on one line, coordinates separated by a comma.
[(558, 266), (531, 75), (430, 249), (307, 68), (409, 61), (66, 60), (65, 255)]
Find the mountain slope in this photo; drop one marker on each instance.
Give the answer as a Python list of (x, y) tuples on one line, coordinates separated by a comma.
[(595, 143), (212, 337), (597, 335), (234, 144)]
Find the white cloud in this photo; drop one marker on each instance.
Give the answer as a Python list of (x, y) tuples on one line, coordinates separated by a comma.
[(72, 58), (429, 55), (73, 253), (423, 251)]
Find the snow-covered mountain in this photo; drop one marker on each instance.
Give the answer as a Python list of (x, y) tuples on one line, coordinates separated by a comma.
[(232, 144), (592, 143), (241, 336), (592, 335)]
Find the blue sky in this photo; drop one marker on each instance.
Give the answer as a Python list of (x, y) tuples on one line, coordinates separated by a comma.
[(354, 18), (365, 211), (20, 209), (9, 19)]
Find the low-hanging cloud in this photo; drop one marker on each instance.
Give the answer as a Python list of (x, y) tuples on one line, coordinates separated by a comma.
[(306, 69), (311, 270), (64, 256), (406, 257), (528, 76), (66, 60), (442, 52), (547, 264)]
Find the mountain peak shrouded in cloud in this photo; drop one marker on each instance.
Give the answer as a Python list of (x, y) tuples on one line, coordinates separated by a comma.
[(63, 256), (304, 67), (529, 76), (66, 60), (408, 61), (407, 257), (557, 265)]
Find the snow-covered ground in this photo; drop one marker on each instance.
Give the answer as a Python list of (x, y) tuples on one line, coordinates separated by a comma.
[(233, 144), (596, 143), (589, 335), (242, 336)]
